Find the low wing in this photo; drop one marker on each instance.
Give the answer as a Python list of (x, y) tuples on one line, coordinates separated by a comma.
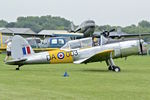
[(118, 36), (128, 35), (15, 62), (101, 56)]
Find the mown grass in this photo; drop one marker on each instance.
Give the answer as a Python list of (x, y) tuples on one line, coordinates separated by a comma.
[(85, 82)]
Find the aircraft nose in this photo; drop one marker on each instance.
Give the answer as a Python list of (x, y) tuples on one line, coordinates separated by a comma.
[(145, 47)]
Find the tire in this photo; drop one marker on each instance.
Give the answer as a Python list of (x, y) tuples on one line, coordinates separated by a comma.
[(116, 69), (110, 68), (17, 68)]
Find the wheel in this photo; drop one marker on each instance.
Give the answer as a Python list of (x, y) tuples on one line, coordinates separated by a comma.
[(17, 68), (116, 69), (110, 68)]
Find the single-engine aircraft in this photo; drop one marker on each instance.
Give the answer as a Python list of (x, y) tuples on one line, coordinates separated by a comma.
[(75, 51)]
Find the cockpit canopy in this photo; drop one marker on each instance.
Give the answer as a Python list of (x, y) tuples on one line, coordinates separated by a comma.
[(78, 44)]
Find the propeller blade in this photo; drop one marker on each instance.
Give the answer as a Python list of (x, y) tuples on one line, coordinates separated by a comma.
[(112, 30), (107, 33), (141, 47)]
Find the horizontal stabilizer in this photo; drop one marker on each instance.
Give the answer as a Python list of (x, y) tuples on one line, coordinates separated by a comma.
[(15, 62)]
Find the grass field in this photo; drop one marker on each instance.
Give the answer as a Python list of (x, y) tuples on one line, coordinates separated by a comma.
[(85, 82)]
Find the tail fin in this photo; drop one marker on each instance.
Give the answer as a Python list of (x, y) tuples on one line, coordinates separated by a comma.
[(20, 47), (71, 27)]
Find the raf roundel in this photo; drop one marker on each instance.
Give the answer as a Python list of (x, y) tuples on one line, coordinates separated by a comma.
[(60, 55)]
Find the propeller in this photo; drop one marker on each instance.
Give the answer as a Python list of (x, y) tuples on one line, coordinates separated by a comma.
[(107, 33)]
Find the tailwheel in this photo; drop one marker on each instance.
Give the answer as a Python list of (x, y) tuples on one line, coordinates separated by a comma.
[(17, 68), (116, 69)]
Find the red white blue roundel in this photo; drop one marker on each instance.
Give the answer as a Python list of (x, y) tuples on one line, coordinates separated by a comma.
[(60, 55)]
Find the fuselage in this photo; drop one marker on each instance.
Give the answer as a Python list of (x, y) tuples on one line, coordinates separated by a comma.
[(121, 49)]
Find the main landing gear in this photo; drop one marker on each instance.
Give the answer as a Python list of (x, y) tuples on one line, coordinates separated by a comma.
[(111, 65), (114, 68)]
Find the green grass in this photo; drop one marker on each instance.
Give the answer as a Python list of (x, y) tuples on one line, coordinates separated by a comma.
[(85, 82)]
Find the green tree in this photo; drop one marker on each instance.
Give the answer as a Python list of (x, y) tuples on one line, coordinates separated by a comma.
[(11, 24), (144, 23), (44, 22), (3, 23)]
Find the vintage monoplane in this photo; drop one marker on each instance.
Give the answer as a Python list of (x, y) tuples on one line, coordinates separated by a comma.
[(75, 51)]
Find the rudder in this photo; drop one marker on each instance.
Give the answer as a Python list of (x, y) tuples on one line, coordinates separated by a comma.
[(20, 47)]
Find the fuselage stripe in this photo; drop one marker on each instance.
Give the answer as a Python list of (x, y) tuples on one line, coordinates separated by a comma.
[(28, 50), (24, 51)]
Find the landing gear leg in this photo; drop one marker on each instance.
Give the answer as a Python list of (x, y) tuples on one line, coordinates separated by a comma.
[(110, 68), (111, 65)]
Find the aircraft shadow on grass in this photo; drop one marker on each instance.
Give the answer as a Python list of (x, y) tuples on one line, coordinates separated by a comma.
[(94, 70)]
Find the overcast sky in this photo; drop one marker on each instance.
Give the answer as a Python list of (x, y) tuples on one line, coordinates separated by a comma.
[(112, 12)]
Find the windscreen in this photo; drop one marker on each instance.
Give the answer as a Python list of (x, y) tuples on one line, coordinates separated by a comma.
[(80, 43)]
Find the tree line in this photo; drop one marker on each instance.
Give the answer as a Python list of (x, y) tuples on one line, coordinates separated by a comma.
[(57, 23), (142, 27), (38, 23)]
